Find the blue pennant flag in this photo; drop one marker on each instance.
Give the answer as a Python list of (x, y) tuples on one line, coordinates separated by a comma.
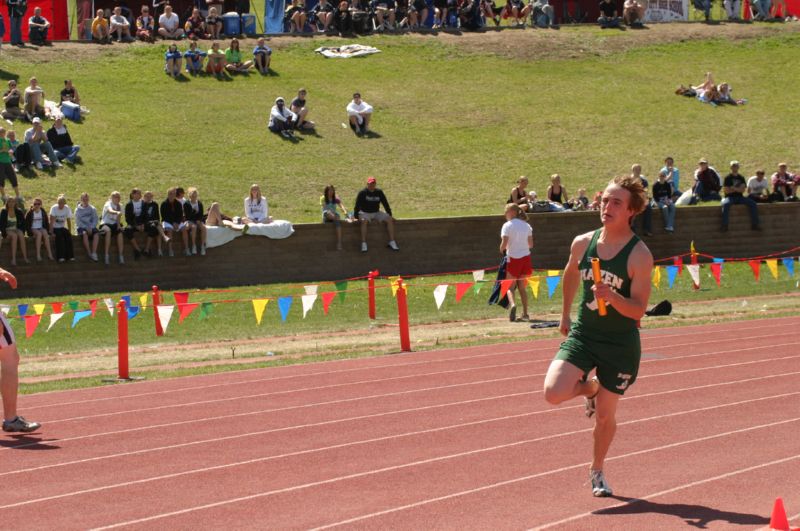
[(127, 299), (552, 284), (132, 312), (788, 263), (719, 260), (80, 315), (672, 272), (23, 309), (284, 303)]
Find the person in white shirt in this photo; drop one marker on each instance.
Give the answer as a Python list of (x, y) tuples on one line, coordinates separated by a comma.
[(281, 119), (256, 209), (516, 241), (111, 226), (61, 229), (121, 26), (169, 25), (758, 187), (359, 113), (34, 100)]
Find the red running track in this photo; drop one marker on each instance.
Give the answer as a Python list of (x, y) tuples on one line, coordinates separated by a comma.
[(451, 439)]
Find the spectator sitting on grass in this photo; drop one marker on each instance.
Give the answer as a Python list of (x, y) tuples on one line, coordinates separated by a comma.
[(169, 25), (296, 16), (195, 218), (36, 138), (489, 11), (662, 196), (86, 223), (734, 186), (38, 227), (359, 113), (233, 59), (707, 182), (195, 26), (784, 184), (7, 172), (145, 25), (609, 17), (70, 93), (418, 13), (11, 98), (11, 136), (673, 176), (384, 14), (262, 56), (100, 30), (322, 13), (12, 227), (194, 58), (299, 108), (343, 18), (172, 61), (120, 25), (330, 205), (517, 11), (367, 210), (111, 226), (758, 187), (556, 192), (762, 9), (38, 27), (281, 119), (59, 138), (172, 220), (543, 14), (216, 60), (633, 13), (537, 206), (214, 24), (519, 196), (34, 101)]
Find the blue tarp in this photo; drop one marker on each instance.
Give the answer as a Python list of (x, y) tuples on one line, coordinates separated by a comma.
[(273, 16)]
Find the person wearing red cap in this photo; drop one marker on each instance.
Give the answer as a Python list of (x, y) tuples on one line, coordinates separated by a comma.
[(367, 209)]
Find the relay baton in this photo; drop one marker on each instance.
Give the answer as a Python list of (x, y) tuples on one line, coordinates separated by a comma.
[(596, 276)]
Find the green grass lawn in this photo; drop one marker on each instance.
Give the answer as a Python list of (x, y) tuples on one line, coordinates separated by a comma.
[(457, 127)]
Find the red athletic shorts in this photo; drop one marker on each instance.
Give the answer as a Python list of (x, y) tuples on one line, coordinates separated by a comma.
[(519, 267)]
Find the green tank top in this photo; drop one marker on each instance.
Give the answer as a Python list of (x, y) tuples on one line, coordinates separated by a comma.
[(615, 274)]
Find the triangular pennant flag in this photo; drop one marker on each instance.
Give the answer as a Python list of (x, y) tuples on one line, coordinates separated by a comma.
[(461, 289), (327, 298), (284, 304), (657, 277), (5, 308), (143, 301), (308, 302), (439, 293), (788, 263), (57, 306), (54, 317), (31, 322), (478, 275), (93, 306), (755, 265), (395, 285), (772, 264), (505, 285), (716, 270), (694, 271), (258, 308), (678, 261), (477, 287), (22, 309), (164, 315), (552, 284), (672, 272), (553, 272), (77, 316), (133, 311), (110, 305), (184, 310), (534, 282), (691, 249), (205, 309), (341, 289), (39, 308), (311, 290), (181, 297), (73, 305)]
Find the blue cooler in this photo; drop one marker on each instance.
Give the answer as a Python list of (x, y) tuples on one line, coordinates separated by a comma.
[(230, 24), (248, 24), (71, 111)]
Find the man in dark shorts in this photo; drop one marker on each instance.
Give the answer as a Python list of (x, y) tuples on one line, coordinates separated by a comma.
[(609, 344), (9, 364)]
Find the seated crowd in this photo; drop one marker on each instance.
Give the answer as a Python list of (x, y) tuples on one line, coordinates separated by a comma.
[(216, 61)]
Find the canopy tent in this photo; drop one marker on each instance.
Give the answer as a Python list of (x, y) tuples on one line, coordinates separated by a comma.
[(54, 11)]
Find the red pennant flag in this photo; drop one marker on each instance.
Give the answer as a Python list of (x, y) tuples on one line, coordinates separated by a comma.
[(505, 285), (93, 306), (185, 309), (716, 270), (57, 307), (678, 261), (31, 322), (461, 289), (755, 265), (181, 297), (327, 298)]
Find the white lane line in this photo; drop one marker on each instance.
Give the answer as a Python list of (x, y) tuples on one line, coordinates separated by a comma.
[(464, 454), (670, 491)]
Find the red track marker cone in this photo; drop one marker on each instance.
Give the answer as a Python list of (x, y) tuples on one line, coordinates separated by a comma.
[(779, 521)]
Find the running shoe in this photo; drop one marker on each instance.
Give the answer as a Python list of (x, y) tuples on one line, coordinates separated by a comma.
[(19, 424), (600, 487), (590, 401)]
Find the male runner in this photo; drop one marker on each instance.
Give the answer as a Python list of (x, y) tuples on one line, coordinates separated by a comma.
[(9, 379), (610, 344)]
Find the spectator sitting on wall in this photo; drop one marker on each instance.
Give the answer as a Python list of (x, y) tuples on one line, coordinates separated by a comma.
[(7, 172), (134, 221), (172, 220), (367, 210), (784, 184), (120, 25), (299, 108), (360, 12), (262, 55), (195, 218), (256, 209), (581, 202), (12, 227), (169, 25), (762, 9), (543, 14), (11, 99), (195, 26), (194, 58), (296, 16), (733, 8), (86, 223), (489, 11), (38, 27), (322, 13), (343, 18), (214, 24), (673, 176), (38, 227), (100, 30), (331, 204), (172, 61), (281, 120), (646, 215), (59, 138), (440, 13), (111, 226), (233, 59), (519, 196), (556, 191), (633, 13), (418, 13), (359, 114), (663, 198), (734, 187), (151, 219), (216, 60), (34, 101), (61, 229), (758, 187), (385, 15), (36, 139), (609, 17), (517, 11), (707, 182), (145, 26)]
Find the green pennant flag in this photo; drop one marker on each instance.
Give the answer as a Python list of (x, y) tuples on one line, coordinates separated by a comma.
[(73, 305), (477, 287), (205, 310), (341, 289)]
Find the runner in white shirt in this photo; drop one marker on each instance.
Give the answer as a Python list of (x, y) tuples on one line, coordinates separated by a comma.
[(516, 240), (359, 113)]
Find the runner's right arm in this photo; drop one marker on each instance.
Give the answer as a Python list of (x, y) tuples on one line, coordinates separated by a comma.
[(572, 280)]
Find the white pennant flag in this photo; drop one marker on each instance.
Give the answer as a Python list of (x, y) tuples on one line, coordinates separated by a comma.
[(311, 290), (694, 271), (477, 276), (164, 315), (439, 293), (54, 317), (308, 303), (5, 308), (110, 306)]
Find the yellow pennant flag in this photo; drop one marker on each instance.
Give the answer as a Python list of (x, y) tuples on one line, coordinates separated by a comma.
[(772, 264), (553, 272), (143, 301), (657, 277), (38, 308), (258, 307), (395, 285), (533, 282), (691, 248)]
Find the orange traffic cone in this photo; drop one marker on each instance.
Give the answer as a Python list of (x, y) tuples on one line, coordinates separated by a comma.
[(779, 521)]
